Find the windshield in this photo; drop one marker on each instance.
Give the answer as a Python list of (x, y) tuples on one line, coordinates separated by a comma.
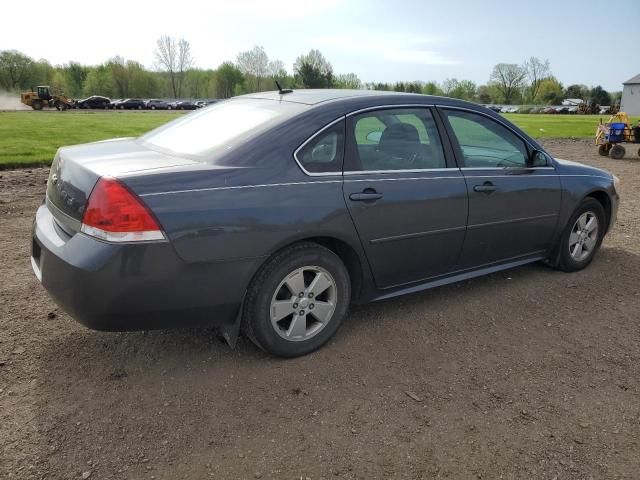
[(222, 124)]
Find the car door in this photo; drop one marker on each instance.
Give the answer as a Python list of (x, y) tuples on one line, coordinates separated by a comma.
[(514, 192), (406, 197)]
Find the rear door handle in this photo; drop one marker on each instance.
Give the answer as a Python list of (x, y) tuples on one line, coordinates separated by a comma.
[(367, 195), (486, 187)]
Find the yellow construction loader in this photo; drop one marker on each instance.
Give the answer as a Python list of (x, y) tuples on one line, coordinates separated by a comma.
[(42, 96)]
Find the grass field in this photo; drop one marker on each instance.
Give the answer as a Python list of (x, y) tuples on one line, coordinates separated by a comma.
[(32, 138)]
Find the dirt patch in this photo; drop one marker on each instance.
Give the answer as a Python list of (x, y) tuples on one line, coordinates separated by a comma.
[(529, 373)]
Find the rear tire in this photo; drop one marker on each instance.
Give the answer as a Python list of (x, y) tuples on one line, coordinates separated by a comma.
[(290, 323), (36, 105), (617, 152), (581, 239)]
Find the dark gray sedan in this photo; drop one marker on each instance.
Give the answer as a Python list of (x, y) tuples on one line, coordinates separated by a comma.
[(270, 213)]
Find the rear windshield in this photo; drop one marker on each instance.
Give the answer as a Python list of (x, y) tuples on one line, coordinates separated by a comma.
[(220, 125)]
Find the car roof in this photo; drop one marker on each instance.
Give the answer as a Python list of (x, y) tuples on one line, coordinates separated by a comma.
[(316, 96)]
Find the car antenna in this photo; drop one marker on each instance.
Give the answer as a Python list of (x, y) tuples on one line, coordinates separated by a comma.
[(281, 90)]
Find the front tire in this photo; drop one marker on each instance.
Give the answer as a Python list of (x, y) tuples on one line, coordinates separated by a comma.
[(583, 236), (603, 150), (297, 300)]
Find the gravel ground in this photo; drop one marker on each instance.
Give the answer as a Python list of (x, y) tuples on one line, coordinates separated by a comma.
[(529, 373)]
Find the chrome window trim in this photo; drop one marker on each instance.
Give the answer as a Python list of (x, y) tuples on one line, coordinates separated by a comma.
[(383, 179), (304, 144), (387, 107), (506, 169), (414, 170)]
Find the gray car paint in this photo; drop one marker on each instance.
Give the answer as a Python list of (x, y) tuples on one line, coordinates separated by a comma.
[(224, 215)]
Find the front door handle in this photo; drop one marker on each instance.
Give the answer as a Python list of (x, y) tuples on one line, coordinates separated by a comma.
[(486, 187), (367, 195)]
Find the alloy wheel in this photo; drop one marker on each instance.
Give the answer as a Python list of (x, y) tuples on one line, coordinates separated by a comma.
[(584, 236), (304, 303)]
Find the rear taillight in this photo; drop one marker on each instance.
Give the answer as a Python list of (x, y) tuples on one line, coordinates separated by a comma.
[(115, 214)]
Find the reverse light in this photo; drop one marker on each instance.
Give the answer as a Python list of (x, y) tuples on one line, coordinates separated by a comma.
[(115, 214)]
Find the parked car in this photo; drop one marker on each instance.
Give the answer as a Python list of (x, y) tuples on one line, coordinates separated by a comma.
[(94, 101), (185, 105), (156, 104), (550, 110), (130, 104), (494, 108), (271, 213)]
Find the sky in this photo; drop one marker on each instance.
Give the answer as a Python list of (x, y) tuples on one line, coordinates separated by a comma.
[(386, 41)]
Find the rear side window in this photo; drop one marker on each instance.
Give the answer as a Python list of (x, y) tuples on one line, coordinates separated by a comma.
[(220, 127), (324, 153), (394, 139), (485, 143)]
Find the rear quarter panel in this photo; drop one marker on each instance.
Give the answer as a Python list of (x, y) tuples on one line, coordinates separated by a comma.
[(249, 201)]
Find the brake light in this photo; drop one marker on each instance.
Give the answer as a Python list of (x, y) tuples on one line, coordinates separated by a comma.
[(116, 214)]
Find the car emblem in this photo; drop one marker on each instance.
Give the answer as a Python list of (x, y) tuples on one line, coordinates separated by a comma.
[(54, 178)]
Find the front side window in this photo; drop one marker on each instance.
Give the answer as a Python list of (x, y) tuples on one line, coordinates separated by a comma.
[(485, 143), (395, 139), (324, 152)]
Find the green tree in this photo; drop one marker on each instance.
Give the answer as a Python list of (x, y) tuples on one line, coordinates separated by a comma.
[(431, 88), (599, 96), (508, 78), (550, 91), (75, 75), (197, 83), (227, 79), (98, 82), (142, 83), (59, 83), (577, 91), (484, 94), (174, 57), (15, 70), (254, 64), (119, 77), (313, 70), (536, 71), (41, 73), (413, 87), (348, 80)]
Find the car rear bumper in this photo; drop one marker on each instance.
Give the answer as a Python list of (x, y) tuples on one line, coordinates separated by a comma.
[(113, 287)]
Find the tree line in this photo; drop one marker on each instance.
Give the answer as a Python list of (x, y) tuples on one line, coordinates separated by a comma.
[(174, 75)]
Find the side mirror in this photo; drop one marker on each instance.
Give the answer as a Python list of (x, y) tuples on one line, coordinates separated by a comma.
[(539, 159)]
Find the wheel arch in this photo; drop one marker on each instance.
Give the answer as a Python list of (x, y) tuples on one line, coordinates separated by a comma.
[(353, 260), (603, 198)]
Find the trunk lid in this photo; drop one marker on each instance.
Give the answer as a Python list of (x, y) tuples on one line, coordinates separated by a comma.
[(75, 171)]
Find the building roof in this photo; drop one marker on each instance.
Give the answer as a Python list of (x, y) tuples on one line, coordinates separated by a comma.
[(633, 81)]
